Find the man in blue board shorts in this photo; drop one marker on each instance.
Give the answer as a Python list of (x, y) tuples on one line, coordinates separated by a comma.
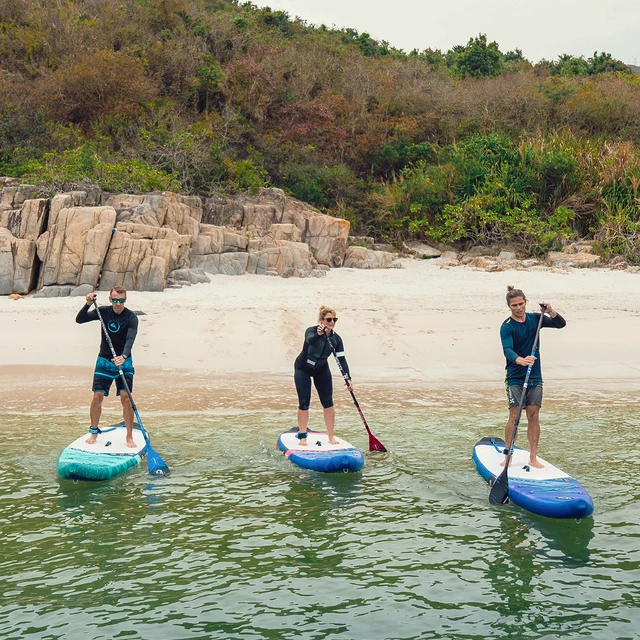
[(122, 325), (518, 335)]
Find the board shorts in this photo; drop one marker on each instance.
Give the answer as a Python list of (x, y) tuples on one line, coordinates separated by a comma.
[(106, 372), (532, 398), (322, 381)]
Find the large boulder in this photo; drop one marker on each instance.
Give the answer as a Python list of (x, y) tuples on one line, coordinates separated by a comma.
[(579, 260), (73, 248), (17, 258), (21, 228), (327, 239), (180, 213), (141, 256), (27, 222), (363, 258), (280, 257)]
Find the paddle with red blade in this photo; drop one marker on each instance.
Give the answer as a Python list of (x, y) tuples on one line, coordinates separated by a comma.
[(374, 443)]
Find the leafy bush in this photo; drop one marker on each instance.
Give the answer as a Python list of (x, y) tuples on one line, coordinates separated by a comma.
[(85, 165), (320, 186)]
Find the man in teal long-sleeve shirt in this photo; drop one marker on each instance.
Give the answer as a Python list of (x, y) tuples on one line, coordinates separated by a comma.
[(518, 334)]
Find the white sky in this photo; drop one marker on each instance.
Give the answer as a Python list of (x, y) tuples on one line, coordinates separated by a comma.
[(540, 28)]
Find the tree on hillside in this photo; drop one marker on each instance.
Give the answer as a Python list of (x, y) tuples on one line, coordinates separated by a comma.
[(478, 59)]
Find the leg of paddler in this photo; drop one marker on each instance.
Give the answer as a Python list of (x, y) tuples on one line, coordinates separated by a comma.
[(303, 423), (508, 430), (95, 411), (127, 414), (533, 435), (330, 423)]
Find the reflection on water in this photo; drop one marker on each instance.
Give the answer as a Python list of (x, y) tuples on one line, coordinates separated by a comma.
[(239, 543)]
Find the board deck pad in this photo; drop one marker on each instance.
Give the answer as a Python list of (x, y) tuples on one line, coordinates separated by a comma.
[(108, 457), (548, 491), (320, 454)]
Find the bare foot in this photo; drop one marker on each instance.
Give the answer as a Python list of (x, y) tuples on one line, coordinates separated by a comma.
[(535, 463), (92, 438), (333, 441), (130, 443), (302, 441), (502, 463)]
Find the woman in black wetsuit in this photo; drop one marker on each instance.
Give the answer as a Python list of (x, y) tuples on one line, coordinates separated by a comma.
[(312, 363)]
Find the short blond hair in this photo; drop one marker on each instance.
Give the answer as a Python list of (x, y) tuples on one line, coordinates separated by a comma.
[(324, 311), (121, 291)]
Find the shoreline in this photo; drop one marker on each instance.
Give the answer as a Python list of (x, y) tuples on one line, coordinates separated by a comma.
[(61, 389), (423, 326)]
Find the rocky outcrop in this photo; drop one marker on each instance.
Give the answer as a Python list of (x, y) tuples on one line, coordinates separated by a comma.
[(73, 248), (19, 231), (88, 239)]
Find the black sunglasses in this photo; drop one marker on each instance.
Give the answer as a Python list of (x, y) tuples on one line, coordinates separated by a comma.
[(331, 319), (116, 300)]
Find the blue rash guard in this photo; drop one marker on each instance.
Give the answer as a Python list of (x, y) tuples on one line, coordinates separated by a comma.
[(517, 342)]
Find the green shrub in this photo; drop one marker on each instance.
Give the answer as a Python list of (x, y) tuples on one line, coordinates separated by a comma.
[(84, 164)]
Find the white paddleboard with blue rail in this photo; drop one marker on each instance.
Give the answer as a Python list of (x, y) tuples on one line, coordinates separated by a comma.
[(108, 457), (548, 491), (320, 454)]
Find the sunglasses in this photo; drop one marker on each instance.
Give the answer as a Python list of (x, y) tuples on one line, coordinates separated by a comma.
[(116, 300), (331, 319)]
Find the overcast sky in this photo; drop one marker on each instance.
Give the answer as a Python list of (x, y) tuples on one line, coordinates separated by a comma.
[(541, 29)]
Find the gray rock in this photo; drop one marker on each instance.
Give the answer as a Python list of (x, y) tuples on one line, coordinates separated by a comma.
[(82, 290), (421, 250)]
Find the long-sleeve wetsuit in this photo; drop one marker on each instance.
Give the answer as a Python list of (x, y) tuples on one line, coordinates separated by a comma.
[(122, 328), (517, 342), (312, 363)]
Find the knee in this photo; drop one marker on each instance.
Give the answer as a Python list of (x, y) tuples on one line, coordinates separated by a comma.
[(327, 403), (97, 399), (304, 406)]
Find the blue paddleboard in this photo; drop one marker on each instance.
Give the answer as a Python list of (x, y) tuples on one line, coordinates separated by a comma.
[(108, 457), (320, 454), (548, 491)]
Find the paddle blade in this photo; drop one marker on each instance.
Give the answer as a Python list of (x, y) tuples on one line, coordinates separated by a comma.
[(499, 493), (155, 464), (375, 444)]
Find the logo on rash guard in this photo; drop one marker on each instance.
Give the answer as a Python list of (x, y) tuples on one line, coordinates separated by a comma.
[(113, 326)]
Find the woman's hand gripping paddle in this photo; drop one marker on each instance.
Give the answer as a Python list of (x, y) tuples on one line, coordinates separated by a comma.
[(374, 443), (500, 490), (155, 464)]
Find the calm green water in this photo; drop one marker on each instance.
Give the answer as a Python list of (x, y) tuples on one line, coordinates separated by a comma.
[(239, 543)]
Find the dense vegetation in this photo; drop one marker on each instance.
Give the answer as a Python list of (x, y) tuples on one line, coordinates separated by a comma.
[(469, 145)]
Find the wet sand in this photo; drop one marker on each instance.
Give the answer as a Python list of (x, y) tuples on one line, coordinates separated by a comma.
[(421, 335)]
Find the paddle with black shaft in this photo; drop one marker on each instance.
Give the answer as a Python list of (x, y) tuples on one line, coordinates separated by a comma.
[(499, 493), (374, 443), (155, 464)]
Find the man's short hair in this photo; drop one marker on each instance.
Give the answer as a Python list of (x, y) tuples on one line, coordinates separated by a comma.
[(121, 291)]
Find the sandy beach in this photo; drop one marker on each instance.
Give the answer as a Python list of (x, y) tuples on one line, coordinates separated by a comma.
[(421, 326)]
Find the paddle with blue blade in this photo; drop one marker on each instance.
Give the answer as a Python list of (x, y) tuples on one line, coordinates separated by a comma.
[(500, 490), (155, 464), (374, 443)]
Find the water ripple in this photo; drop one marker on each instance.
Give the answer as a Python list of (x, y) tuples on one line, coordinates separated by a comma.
[(239, 543)]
